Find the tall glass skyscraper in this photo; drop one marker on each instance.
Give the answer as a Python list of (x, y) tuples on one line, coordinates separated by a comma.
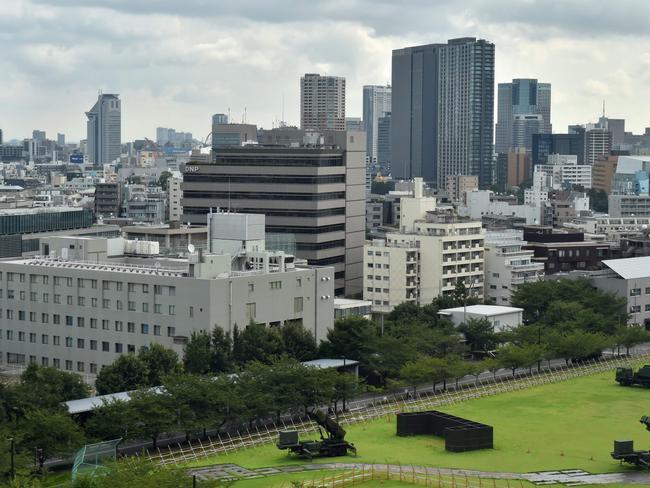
[(104, 129), (376, 104), (443, 110), (524, 109)]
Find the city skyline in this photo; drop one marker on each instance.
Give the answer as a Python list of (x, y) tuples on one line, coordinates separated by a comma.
[(191, 67)]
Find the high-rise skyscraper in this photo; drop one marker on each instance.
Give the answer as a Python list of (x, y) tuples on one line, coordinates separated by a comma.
[(60, 139), (104, 129), (322, 102), (383, 143), (38, 135), (376, 104), (524, 109), (442, 119)]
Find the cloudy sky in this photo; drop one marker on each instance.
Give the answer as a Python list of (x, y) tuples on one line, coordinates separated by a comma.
[(174, 63)]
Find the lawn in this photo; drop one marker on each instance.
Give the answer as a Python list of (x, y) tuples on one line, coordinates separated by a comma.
[(567, 425)]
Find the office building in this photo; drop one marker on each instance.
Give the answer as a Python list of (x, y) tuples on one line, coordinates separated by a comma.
[(39, 135), (313, 197), (443, 111), (104, 130), (524, 109), (430, 253), (225, 135), (598, 142), (60, 139), (174, 196), (376, 104), (219, 119), (108, 199), (383, 144), (546, 144), (354, 123), (508, 265), (563, 172), (94, 301), (322, 102), (457, 185), (519, 167), (501, 318), (603, 173)]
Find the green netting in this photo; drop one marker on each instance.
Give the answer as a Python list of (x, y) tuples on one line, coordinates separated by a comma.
[(89, 458)]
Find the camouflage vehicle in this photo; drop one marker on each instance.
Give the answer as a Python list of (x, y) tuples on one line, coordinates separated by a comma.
[(331, 445), (625, 453), (627, 377)]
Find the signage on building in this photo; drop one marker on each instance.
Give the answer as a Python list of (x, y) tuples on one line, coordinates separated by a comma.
[(77, 158), (191, 169)]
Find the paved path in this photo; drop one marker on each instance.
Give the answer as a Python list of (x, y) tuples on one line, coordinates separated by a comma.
[(568, 477)]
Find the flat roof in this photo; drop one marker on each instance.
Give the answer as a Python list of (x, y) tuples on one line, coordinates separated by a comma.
[(349, 302), (38, 210), (630, 268), (488, 310), (89, 404), (330, 363)]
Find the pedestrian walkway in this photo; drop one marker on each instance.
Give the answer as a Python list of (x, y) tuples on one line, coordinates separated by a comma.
[(567, 477)]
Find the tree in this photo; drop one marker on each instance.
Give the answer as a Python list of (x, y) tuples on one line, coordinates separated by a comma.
[(257, 342), (416, 373), (126, 373), (352, 338), (47, 387), (52, 431), (159, 361), (221, 351), (598, 200), (631, 335), (512, 357), (198, 354), (578, 345), (152, 413), (110, 421), (298, 342), (479, 334), (163, 180)]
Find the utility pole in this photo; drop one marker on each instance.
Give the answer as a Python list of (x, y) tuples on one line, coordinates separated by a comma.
[(12, 452)]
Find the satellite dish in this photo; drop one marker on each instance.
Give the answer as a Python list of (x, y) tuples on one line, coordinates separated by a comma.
[(191, 248)]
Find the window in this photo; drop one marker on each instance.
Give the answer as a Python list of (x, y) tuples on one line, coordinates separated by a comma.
[(22, 277), (46, 297), (45, 318), (172, 291), (80, 366), (118, 347), (21, 315), (10, 335), (68, 282), (131, 287), (56, 340), (45, 361), (118, 285), (93, 368), (69, 299), (171, 331), (93, 302), (635, 308), (297, 304), (118, 304), (81, 322), (131, 306), (145, 288), (495, 275), (32, 316), (32, 296), (80, 344), (130, 327), (93, 345), (635, 292), (156, 330), (105, 285), (45, 338), (56, 318), (647, 308), (106, 347), (157, 308), (157, 289), (250, 311), (144, 328), (10, 314), (130, 348), (57, 298), (68, 365), (68, 342), (93, 284), (191, 311), (145, 307), (106, 303), (57, 280), (10, 294), (56, 363), (104, 324), (93, 323), (119, 326), (81, 301), (80, 283), (68, 320), (32, 337), (251, 287), (172, 310), (275, 285)]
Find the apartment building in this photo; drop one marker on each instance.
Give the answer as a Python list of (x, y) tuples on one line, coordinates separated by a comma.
[(507, 265), (432, 251), (82, 309)]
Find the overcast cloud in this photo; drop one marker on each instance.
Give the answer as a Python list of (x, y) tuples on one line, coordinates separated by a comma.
[(175, 63)]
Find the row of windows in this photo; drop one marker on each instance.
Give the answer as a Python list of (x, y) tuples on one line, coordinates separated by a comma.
[(274, 212), (13, 358), (323, 229), (91, 283), (107, 303), (266, 179), (339, 195), (635, 292), (144, 329), (319, 162)]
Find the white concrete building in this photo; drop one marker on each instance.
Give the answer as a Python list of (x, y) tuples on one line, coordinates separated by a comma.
[(91, 300), (562, 170), (507, 265), (501, 318), (174, 197), (432, 251), (480, 202)]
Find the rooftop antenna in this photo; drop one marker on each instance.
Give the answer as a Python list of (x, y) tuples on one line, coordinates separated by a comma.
[(228, 114), (603, 108), (244, 115)]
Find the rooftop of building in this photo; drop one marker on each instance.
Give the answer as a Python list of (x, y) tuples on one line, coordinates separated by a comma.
[(38, 210), (351, 303), (630, 268), (164, 229), (486, 310)]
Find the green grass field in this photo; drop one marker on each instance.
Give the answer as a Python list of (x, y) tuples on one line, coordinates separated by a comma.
[(568, 425)]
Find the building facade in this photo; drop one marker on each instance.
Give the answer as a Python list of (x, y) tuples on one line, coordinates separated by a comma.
[(598, 143), (104, 130), (603, 173), (376, 104), (174, 197), (546, 144), (322, 102), (443, 111), (313, 198)]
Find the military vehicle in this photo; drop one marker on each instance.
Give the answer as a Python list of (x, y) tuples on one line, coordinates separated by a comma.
[(627, 377), (334, 444), (625, 453)]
